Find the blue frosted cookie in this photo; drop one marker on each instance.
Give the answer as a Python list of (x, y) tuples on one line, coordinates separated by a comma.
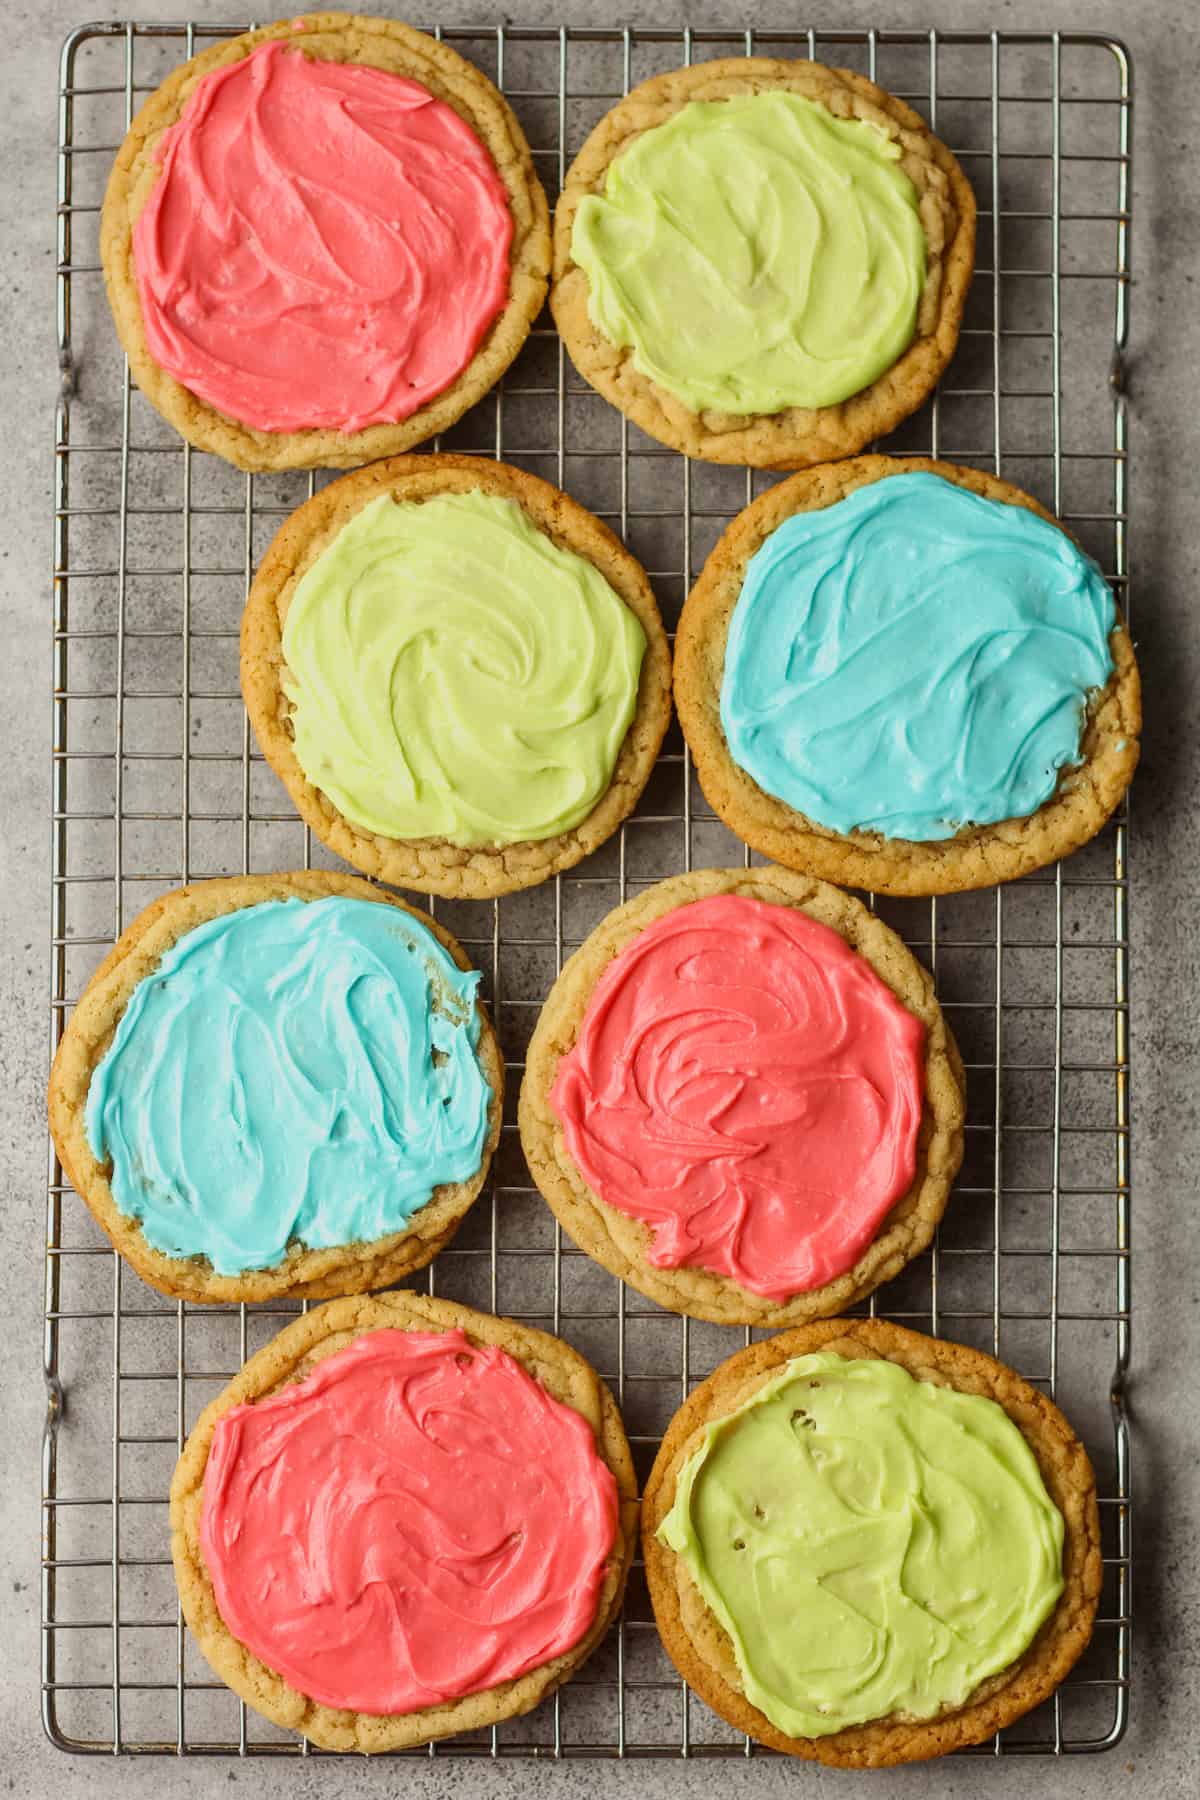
[(278, 1084), (906, 676)]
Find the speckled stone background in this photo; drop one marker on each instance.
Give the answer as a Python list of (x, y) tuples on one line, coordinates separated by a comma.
[(1161, 1754)]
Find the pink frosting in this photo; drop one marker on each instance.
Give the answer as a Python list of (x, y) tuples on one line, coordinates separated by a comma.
[(747, 1086), (326, 245), (414, 1521)]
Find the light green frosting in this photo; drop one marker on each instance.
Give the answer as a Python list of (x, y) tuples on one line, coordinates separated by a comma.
[(755, 253), (453, 673), (872, 1544)]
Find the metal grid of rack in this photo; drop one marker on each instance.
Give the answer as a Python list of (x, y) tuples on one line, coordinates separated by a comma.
[(155, 780)]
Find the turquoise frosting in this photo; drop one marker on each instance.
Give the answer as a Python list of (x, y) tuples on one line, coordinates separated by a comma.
[(295, 1072), (914, 659)]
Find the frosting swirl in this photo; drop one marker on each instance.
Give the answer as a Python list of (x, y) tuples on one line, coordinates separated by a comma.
[(872, 1544), (755, 253), (416, 1520), (746, 1085), (325, 247), (454, 674), (293, 1072), (913, 659)]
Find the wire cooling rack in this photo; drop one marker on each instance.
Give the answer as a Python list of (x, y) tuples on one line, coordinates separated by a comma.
[(156, 781)]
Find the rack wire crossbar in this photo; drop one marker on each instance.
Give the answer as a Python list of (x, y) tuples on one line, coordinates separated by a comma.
[(155, 781)]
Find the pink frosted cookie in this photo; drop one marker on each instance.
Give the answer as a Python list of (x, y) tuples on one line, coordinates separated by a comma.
[(742, 1097)]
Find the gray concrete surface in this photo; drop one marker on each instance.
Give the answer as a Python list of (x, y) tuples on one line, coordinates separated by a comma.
[(1161, 1755)]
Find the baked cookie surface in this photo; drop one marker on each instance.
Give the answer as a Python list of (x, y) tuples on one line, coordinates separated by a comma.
[(685, 1153), (323, 300), (1083, 793), (940, 210), (459, 1488), (703, 1650), (516, 706), (345, 1109)]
